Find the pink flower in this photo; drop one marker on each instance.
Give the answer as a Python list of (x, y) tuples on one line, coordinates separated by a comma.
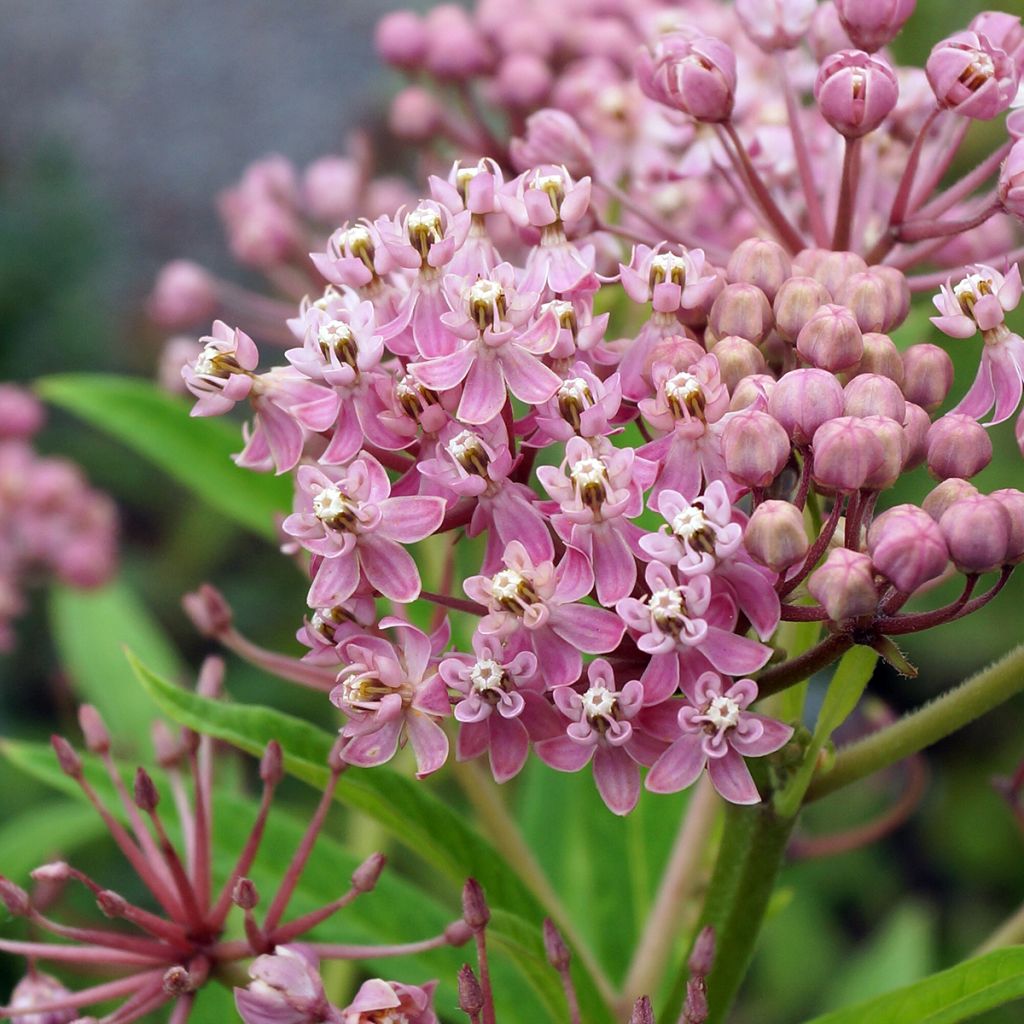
[(537, 606), (688, 407), (285, 989), (972, 76), (598, 489), (584, 406), (501, 708), (495, 357), (669, 280), (391, 695), (718, 731), (690, 73), (677, 620), (980, 302), (222, 374), (601, 731), (380, 1002), (348, 520)]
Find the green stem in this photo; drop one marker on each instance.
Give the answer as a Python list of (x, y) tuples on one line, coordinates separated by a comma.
[(1009, 933), (503, 830), (677, 886), (952, 711), (748, 863)]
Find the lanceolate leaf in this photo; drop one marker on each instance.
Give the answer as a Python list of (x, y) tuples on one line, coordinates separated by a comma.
[(194, 451), (92, 629), (954, 995), (406, 808)]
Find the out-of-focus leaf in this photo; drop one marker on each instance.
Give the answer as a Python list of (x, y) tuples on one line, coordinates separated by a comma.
[(902, 952), (92, 629), (195, 451), (407, 809), (954, 995), (52, 829)]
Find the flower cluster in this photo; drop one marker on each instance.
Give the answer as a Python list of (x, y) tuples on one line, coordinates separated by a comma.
[(53, 525), (665, 451), (168, 953)]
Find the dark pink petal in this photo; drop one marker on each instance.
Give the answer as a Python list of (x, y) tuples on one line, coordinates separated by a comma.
[(774, 737), (335, 581), (618, 779), (473, 740), (614, 564), (679, 766), (564, 754), (558, 662), (981, 395), (660, 678), (510, 746), (755, 594), (347, 438), (374, 748), (731, 777), (594, 630), (389, 568), (732, 654), (574, 577)]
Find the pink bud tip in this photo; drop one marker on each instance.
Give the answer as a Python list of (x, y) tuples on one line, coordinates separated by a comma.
[(474, 905), (145, 792), (471, 995), (702, 957), (70, 763), (554, 946), (365, 877), (855, 92), (97, 738), (458, 933), (272, 764), (245, 895), (643, 1012)]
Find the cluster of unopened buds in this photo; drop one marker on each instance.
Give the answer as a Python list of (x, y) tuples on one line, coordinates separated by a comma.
[(53, 525), (659, 490)]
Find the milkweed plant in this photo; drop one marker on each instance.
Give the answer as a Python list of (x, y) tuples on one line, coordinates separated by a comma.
[(593, 436)]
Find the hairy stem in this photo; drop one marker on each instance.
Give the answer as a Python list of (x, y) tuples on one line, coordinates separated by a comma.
[(953, 710)]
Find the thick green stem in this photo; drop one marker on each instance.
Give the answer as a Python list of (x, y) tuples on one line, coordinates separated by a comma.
[(953, 710), (748, 863)]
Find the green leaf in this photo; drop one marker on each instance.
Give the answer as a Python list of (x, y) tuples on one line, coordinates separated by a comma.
[(195, 451), (954, 995), (92, 629), (852, 675), (42, 833), (405, 808)]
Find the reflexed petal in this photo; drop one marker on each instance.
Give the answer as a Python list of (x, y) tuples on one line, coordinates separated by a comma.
[(774, 737), (410, 519), (484, 392), (734, 655), (594, 630), (389, 568), (679, 766), (374, 748), (527, 377), (429, 743), (564, 754), (731, 777), (510, 746), (618, 779)]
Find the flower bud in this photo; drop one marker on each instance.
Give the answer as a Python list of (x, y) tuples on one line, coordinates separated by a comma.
[(694, 75), (907, 547), (523, 81), (70, 763), (456, 50), (833, 268), (94, 729), (702, 956), (916, 424), (756, 448), (1002, 30), (796, 301), (415, 115), (471, 995), (474, 905), (775, 24), (364, 878), (553, 137), (144, 793), (870, 394), (895, 448), (831, 339), (760, 262), (977, 533), (871, 24), (827, 34), (245, 895), (1013, 501), (755, 388), (183, 295), (38, 989), (742, 310), (401, 39), (14, 898), (855, 92), (927, 375), (898, 291), (958, 445), (803, 400), (881, 356), (286, 989), (332, 186), (866, 296), (944, 494), (847, 451), (844, 585), (737, 359), (21, 413), (1011, 181), (775, 535), (208, 611), (971, 76), (807, 261), (643, 1012)]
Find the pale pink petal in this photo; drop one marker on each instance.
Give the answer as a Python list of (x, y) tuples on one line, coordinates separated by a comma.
[(564, 754), (411, 518), (445, 372), (510, 746), (389, 568), (594, 630), (774, 736), (614, 564), (484, 392), (335, 581), (527, 377), (374, 748), (734, 655), (429, 743)]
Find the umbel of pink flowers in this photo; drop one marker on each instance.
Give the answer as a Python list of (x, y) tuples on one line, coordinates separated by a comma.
[(655, 491)]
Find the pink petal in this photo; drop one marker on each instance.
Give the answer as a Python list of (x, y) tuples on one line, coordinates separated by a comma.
[(755, 595), (594, 630), (660, 678), (679, 767), (473, 740), (618, 779), (429, 743), (374, 748), (559, 663), (410, 519), (564, 754), (731, 777), (429, 332), (389, 568), (484, 393), (335, 581), (1006, 378), (527, 377), (614, 564), (445, 372), (774, 737), (510, 746), (734, 655), (575, 577)]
